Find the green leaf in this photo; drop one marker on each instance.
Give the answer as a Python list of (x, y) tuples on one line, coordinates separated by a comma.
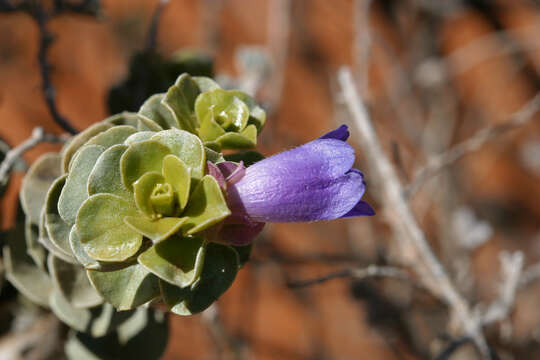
[(127, 288), (78, 319), (141, 158), (78, 250), (22, 272), (79, 140), (248, 157), (102, 231), (210, 129), (57, 229), (154, 110), (106, 177), (105, 319), (75, 190), (139, 137), (124, 118), (219, 271), (244, 253), (227, 110), (36, 183), (34, 249), (156, 230), (72, 282), (113, 136), (257, 115), (205, 83), (206, 206), (176, 173), (247, 139), (188, 147), (142, 190), (180, 100), (45, 241), (143, 335), (213, 156), (177, 260), (146, 124)]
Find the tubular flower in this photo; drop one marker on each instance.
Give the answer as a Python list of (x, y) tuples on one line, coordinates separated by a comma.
[(312, 182)]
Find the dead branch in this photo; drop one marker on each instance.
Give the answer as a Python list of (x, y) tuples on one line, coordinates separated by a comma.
[(426, 265)]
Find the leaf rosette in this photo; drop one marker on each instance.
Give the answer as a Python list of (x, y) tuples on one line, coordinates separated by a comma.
[(124, 215)]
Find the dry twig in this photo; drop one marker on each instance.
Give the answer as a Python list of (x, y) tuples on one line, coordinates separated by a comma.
[(512, 265), (38, 136), (400, 217), (371, 271), (440, 161)]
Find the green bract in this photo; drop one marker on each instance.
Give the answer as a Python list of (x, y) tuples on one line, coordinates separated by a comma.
[(123, 216)]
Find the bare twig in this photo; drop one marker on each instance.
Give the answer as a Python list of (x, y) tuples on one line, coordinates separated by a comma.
[(512, 265), (151, 41), (371, 271), (45, 40), (436, 163), (38, 136), (362, 43), (529, 275), (400, 217), (278, 30)]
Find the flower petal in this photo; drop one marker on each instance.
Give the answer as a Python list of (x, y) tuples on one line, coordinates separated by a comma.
[(341, 133), (278, 199), (360, 209)]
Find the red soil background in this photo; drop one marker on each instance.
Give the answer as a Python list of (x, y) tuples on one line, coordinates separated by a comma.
[(268, 319)]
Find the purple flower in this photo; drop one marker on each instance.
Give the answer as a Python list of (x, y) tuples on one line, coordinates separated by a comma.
[(312, 182)]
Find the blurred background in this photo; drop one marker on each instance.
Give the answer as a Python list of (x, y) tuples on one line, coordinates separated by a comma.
[(432, 74)]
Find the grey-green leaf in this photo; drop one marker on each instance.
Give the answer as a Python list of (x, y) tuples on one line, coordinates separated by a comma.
[(106, 177), (218, 274), (36, 183), (75, 192), (127, 288), (178, 260)]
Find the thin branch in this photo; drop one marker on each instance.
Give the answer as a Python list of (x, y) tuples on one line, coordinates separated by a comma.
[(151, 41), (372, 271), (512, 265), (453, 347), (38, 136), (278, 33), (400, 217), (440, 161), (362, 43), (529, 275), (45, 40)]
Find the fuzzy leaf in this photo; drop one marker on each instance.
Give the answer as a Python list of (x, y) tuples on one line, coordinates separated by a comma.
[(176, 173), (177, 260), (185, 146), (219, 271), (102, 231), (106, 177), (155, 111), (180, 100), (79, 140), (57, 229), (156, 230), (73, 284), (75, 191), (141, 158), (113, 136), (127, 288), (36, 183), (206, 206)]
